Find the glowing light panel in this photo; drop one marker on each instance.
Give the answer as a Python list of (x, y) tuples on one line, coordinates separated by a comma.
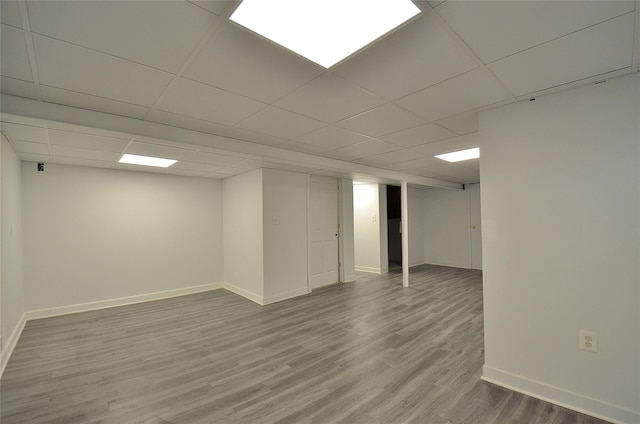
[(460, 155), (146, 161), (324, 31)]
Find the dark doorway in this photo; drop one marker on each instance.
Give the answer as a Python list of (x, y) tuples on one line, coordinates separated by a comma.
[(394, 234)]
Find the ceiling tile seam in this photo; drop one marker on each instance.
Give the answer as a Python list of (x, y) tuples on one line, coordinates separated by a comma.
[(635, 56), (454, 35), (103, 53), (147, 119), (563, 36), (571, 84), (31, 52), (92, 95), (217, 23), (239, 124), (127, 146), (202, 8)]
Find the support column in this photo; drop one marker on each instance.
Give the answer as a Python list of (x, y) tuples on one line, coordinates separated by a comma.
[(404, 206)]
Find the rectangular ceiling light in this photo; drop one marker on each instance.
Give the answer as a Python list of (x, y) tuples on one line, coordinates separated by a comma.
[(146, 161), (461, 155), (324, 31)]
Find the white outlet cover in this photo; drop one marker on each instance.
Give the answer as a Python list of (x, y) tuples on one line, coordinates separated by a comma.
[(588, 340)]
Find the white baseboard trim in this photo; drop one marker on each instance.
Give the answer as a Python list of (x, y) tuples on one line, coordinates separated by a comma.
[(447, 264), (121, 301), (561, 397), (259, 299), (368, 269), (284, 296), (10, 343)]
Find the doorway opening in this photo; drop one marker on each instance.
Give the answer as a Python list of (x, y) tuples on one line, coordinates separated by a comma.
[(394, 227)]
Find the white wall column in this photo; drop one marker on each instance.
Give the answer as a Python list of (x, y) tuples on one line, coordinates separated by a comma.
[(404, 200)]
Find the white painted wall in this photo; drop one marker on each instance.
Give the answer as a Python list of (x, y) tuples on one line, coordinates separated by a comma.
[(243, 231), (11, 286), (347, 252), (560, 215), (285, 234), (94, 234), (366, 223), (416, 226), (447, 236)]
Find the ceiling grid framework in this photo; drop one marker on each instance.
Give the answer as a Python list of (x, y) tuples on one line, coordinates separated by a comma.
[(223, 100)]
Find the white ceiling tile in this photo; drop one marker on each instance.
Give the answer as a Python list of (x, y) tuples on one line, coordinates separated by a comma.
[(391, 157), (17, 87), (418, 135), (596, 50), (297, 146), (454, 170), (195, 166), (416, 56), (237, 60), (331, 137), (215, 175), (471, 164), (329, 98), (496, 29), (412, 164), (24, 132), (202, 101), (366, 149), (181, 121), (10, 13), (73, 152), (32, 157), (382, 120), (172, 170), (29, 147), (281, 123), (87, 141), (254, 164), (252, 136), (158, 151), (92, 163), (229, 170), (78, 69), (464, 123), (463, 93), (15, 58), (346, 156), (449, 145), (162, 36), (215, 159), (87, 101)]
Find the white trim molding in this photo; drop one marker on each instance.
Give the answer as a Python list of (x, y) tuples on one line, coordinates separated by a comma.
[(561, 397), (121, 301), (10, 343), (368, 269)]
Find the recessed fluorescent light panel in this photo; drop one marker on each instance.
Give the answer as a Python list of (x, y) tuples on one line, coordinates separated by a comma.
[(323, 31), (461, 155), (146, 161)]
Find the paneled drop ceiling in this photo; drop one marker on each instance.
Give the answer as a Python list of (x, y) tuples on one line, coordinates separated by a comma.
[(85, 81)]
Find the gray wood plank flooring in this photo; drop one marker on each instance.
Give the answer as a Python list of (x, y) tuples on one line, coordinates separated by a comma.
[(363, 352)]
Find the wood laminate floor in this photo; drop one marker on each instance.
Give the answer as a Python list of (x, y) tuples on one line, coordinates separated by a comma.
[(363, 352)]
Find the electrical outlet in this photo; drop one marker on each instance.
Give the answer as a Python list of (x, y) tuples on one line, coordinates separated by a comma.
[(588, 340)]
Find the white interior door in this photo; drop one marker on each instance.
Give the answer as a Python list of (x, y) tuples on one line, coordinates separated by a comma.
[(476, 227), (323, 229)]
